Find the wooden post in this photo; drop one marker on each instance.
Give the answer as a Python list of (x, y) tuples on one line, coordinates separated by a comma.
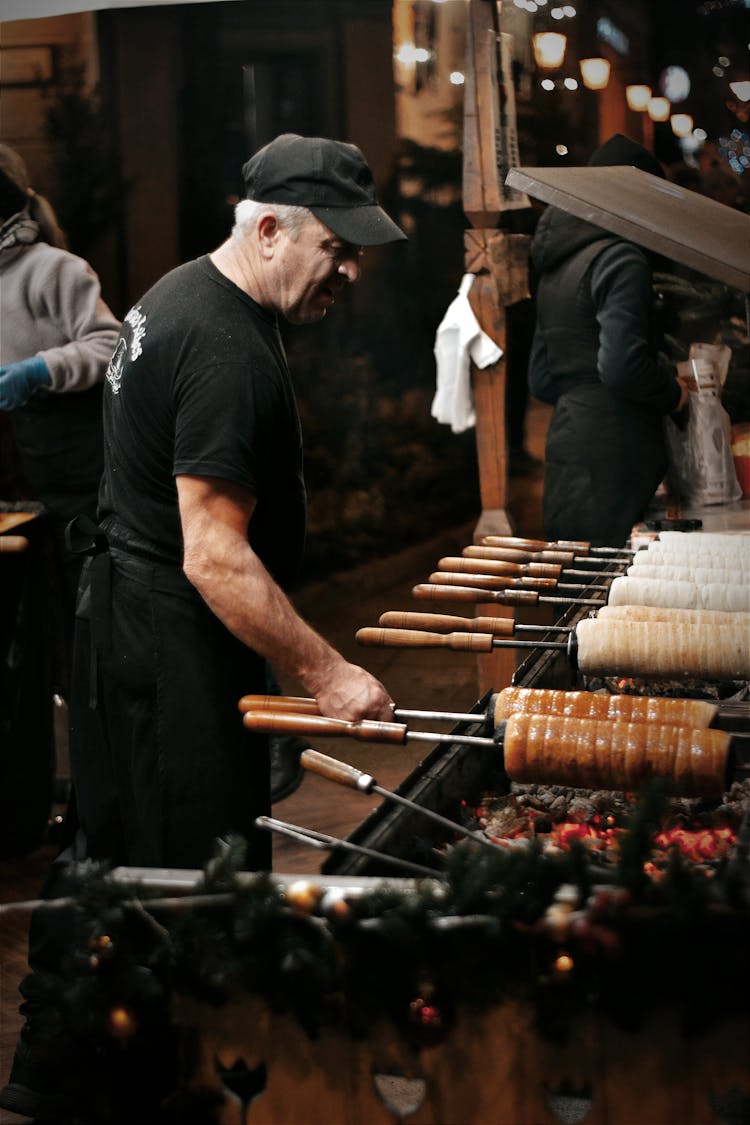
[(494, 260)]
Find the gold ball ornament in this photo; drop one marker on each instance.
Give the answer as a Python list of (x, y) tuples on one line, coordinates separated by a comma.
[(121, 1023), (303, 896)]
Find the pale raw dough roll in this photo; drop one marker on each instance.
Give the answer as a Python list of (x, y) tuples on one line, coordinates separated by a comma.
[(694, 713), (730, 598), (648, 591), (639, 648), (701, 575), (712, 538), (710, 617), (736, 563), (738, 555), (600, 754)]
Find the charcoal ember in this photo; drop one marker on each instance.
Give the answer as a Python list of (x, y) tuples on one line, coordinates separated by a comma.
[(738, 791), (692, 687), (507, 821), (581, 809)]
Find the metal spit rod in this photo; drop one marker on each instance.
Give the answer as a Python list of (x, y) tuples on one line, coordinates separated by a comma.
[(444, 592), (526, 573), (306, 705), (489, 581), (345, 774), (446, 623), (580, 548), (323, 842)]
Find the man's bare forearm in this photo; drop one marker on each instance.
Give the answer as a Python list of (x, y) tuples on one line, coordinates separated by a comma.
[(240, 591)]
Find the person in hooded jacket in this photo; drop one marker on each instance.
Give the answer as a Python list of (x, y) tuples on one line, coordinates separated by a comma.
[(594, 357), (57, 338)]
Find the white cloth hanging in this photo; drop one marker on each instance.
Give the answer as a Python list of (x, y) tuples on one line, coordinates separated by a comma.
[(458, 341)]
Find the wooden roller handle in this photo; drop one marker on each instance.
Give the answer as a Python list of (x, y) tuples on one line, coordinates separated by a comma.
[(492, 581), (13, 544), (467, 565), (445, 623), (289, 722), (580, 548), (438, 593), (511, 554), (415, 638), (334, 770), (289, 704)]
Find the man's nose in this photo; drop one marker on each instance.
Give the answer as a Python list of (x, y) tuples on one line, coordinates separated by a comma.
[(351, 267)]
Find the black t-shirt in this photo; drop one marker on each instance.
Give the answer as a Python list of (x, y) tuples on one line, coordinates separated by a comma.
[(199, 384)]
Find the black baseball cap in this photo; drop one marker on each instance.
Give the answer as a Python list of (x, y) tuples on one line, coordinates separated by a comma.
[(331, 178)]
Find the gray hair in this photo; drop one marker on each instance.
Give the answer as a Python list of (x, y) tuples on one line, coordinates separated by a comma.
[(290, 217)]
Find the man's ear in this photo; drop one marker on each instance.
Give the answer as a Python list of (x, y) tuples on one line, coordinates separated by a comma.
[(269, 233)]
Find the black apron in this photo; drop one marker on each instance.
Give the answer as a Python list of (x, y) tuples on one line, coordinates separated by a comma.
[(162, 765)]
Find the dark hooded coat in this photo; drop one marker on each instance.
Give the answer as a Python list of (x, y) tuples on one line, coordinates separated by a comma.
[(595, 358)]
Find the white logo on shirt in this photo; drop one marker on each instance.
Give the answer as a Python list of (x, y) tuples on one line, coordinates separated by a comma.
[(114, 367), (137, 321)]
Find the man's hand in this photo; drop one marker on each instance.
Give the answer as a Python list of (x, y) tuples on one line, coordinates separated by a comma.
[(18, 381), (351, 693)]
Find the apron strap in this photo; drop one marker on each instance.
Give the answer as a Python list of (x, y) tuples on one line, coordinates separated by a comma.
[(84, 537)]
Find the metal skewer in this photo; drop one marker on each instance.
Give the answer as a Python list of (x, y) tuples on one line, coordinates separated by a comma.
[(307, 705), (344, 774), (288, 722), (579, 547), (325, 843), (501, 582), (561, 558), (445, 623), (282, 721), (459, 642), (536, 575), (302, 705), (468, 593)]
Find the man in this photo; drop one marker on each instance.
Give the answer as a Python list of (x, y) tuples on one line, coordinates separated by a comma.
[(203, 507), (202, 512)]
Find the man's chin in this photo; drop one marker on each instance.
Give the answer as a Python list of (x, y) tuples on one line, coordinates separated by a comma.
[(309, 316)]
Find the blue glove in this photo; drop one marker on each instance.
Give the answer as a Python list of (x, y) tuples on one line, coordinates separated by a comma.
[(18, 381)]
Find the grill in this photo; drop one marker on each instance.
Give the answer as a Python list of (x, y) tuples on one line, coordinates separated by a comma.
[(454, 779)]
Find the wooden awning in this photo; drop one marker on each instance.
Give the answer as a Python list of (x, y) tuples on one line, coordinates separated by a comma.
[(683, 225)]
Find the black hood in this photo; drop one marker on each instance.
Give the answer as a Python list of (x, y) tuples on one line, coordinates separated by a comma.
[(559, 235), (620, 150)]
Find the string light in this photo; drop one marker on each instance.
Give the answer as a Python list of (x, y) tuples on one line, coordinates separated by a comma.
[(637, 97), (658, 109), (408, 53), (595, 73), (682, 124), (549, 49), (741, 90)]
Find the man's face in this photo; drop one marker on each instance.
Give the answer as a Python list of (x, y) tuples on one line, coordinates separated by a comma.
[(312, 270)]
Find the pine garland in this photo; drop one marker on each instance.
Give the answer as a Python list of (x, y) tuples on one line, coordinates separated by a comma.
[(514, 923)]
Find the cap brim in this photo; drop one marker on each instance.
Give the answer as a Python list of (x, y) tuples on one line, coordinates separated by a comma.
[(362, 226)]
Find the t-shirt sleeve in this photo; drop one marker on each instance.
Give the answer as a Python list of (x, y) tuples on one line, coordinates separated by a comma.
[(225, 423)]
